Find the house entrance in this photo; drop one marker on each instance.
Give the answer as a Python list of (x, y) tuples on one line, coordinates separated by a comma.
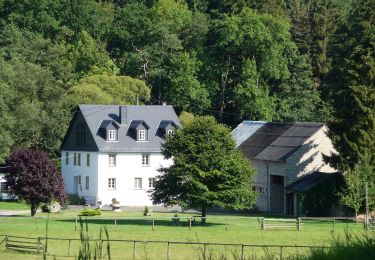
[(289, 203), (277, 194), (75, 185)]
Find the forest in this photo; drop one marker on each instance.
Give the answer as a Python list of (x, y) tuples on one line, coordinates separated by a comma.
[(272, 60)]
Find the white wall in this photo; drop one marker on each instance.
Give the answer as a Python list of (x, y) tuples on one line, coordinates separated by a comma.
[(128, 166), (70, 170)]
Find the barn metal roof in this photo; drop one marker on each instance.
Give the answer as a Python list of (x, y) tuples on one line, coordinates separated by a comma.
[(272, 141)]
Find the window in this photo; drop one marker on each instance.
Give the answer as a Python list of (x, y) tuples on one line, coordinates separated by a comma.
[(112, 135), (80, 134), (87, 182), (79, 179), (75, 159), (79, 159), (112, 183), (141, 135), (88, 160), (151, 183), (4, 187), (66, 158), (170, 132), (137, 183), (112, 159), (145, 160)]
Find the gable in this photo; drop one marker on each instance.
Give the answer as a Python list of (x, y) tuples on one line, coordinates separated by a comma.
[(78, 136)]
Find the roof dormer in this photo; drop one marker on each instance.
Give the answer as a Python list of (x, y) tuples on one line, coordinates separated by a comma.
[(139, 130), (167, 127), (109, 130)]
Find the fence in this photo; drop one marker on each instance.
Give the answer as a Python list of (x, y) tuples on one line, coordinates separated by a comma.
[(204, 250)]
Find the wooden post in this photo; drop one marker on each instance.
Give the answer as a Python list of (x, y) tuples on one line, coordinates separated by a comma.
[(242, 255), (189, 223), (168, 251), (75, 229), (153, 224), (38, 244), (226, 224), (262, 223), (115, 224), (299, 224), (204, 251), (367, 209), (133, 249), (281, 252), (69, 247), (101, 248)]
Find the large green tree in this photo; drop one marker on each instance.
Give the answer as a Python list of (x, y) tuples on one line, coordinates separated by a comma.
[(207, 169)]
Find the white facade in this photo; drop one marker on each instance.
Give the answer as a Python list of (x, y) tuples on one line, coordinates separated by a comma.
[(128, 180)]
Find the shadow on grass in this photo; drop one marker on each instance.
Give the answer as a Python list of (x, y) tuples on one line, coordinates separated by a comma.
[(182, 222)]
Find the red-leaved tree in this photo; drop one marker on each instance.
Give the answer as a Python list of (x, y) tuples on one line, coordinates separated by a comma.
[(34, 178)]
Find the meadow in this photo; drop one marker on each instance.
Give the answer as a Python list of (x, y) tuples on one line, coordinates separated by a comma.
[(235, 229)]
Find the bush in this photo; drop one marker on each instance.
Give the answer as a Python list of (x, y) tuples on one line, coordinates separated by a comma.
[(91, 212), (74, 199)]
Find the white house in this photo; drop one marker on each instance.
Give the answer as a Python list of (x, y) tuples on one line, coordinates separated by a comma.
[(115, 151), (284, 154)]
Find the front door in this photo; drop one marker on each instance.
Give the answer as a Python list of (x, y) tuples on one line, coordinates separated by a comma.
[(75, 185)]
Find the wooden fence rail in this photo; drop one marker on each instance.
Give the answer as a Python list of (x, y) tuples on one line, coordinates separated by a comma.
[(204, 245)]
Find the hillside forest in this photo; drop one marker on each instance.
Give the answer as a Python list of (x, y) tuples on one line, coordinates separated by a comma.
[(272, 60)]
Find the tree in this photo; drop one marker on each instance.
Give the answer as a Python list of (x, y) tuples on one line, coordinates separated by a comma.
[(108, 89), (207, 169), (352, 88), (34, 178), (356, 180)]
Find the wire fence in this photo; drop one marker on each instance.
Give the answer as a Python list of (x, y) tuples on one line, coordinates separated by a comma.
[(188, 222), (161, 249)]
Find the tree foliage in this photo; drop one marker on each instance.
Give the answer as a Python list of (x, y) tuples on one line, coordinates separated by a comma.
[(207, 170), (34, 178)]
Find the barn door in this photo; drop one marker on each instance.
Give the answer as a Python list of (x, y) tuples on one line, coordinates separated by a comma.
[(277, 194)]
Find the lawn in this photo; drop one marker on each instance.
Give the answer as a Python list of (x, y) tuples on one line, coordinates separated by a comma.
[(238, 229), (13, 205)]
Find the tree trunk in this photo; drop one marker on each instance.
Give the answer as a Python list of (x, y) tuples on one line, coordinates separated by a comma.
[(33, 209), (356, 217), (203, 220)]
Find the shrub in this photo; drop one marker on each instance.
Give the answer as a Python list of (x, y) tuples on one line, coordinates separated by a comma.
[(74, 199), (91, 212), (146, 211)]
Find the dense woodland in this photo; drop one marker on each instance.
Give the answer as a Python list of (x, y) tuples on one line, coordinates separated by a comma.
[(274, 60)]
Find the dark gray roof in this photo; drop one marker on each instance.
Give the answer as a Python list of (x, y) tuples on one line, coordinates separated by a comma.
[(309, 181), (98, 115), (274, 141)]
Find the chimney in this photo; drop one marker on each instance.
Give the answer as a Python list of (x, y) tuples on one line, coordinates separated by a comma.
[(123, 115), (164, 103)]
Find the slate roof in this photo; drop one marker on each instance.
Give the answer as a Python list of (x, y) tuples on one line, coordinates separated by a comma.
[(99, 115), (309, 181), (272, 141)]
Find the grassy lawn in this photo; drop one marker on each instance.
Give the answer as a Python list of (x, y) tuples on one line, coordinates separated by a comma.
[(12, 205), (133, 226)]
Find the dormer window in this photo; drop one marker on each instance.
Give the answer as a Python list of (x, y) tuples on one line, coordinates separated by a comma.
[(112, 135), (170, 132), (142, 135)]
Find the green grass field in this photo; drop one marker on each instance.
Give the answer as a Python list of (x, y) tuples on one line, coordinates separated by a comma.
[(236, 229), (11, 205)]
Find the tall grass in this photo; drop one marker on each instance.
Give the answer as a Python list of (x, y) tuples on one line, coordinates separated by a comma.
[(90, 250), (350, 247)]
